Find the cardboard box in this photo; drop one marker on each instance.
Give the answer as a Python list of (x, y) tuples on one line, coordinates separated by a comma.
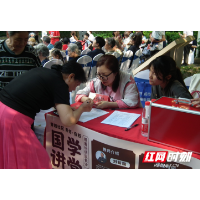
[(175, 125)]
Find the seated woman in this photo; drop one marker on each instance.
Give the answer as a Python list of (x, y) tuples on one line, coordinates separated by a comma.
[(73, 52), (136, 41), (166, 79), (56, 54), (43, 53), (119, 86), (109, 44)]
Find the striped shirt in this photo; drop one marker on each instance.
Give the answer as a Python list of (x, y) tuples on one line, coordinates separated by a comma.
[(12, 65)]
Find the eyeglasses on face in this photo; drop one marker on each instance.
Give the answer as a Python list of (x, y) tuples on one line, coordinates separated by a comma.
[(104, 77)]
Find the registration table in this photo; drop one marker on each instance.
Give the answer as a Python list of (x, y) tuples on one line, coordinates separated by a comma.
[(94, 145)]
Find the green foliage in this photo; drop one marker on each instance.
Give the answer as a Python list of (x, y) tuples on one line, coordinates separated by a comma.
[(170, 35), (2, 33), (189, 71), (64, 34)]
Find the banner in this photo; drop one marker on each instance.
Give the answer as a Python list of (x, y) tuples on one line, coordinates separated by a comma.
[(78, 147)]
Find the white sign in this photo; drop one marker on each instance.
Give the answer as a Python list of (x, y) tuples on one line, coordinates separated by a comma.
[(77, 147)]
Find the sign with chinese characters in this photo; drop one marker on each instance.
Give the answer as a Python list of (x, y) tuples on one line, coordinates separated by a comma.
[(78, 147)]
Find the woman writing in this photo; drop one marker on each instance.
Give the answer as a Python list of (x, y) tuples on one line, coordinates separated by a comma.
[(119, 86), (166, 79), (22, 98)]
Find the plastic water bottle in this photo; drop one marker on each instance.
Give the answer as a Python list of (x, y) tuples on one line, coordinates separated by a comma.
[(145, 119)]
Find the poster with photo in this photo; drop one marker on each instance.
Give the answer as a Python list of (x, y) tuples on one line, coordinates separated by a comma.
[(78, 147)]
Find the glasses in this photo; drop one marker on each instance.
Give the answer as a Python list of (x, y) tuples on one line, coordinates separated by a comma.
[(104, 77)]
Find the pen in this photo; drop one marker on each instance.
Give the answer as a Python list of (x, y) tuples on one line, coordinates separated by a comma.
[(131, 127)]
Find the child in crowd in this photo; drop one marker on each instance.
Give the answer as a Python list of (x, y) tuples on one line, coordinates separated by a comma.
[(85, 42)]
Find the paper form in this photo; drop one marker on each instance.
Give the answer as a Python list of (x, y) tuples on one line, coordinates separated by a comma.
[(121, 119), (94, 113)]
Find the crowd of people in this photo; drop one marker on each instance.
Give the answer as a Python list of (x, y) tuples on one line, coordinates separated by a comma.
[(26, 86)]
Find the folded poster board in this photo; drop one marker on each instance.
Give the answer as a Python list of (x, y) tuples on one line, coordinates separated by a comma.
[(174, 50)]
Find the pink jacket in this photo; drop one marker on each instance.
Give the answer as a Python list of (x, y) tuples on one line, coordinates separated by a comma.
[(126, 96)]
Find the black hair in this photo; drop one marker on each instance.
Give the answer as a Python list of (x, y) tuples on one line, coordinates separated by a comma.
[(72, 68), (86, 34), (58, 45), (66, 40), (137, 38), (164, 66), (100, 41)]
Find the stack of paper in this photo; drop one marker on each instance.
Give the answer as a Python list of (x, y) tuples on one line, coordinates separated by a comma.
[(94, 113), (121, 119)]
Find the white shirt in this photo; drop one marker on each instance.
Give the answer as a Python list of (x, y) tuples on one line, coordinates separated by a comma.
[(91, 37), (188, 33), (72, 39), (158, 34)]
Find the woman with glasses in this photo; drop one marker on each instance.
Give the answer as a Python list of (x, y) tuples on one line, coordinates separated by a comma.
[(119, 86)]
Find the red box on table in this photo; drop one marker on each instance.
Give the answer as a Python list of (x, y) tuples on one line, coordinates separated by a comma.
[(175, 125)]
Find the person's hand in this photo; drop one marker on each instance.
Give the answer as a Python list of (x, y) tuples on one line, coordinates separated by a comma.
[(83, 99), (102, 104), (195, 102), (87, 105)]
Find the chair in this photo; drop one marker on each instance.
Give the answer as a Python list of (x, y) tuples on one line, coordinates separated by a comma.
[(67, 56), (144, 88), (93, 68), (187, 81), (126, 60), (135, 62), (86, 63), (86, 51), (53, 62)]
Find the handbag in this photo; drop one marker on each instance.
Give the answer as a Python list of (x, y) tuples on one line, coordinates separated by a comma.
[(198, 93)]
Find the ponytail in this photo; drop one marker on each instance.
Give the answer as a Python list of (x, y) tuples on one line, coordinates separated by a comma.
[(56, 52)]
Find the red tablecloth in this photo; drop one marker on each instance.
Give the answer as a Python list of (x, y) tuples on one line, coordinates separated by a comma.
[(133, 135)]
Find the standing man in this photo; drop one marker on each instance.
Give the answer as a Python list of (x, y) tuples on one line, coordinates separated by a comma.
[(16, 56), (157, 38), (187, 47), (55, 36)]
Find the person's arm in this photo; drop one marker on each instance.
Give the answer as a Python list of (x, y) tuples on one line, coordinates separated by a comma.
[(83, 93), (106, 104), (183, 36), (69, 117)]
